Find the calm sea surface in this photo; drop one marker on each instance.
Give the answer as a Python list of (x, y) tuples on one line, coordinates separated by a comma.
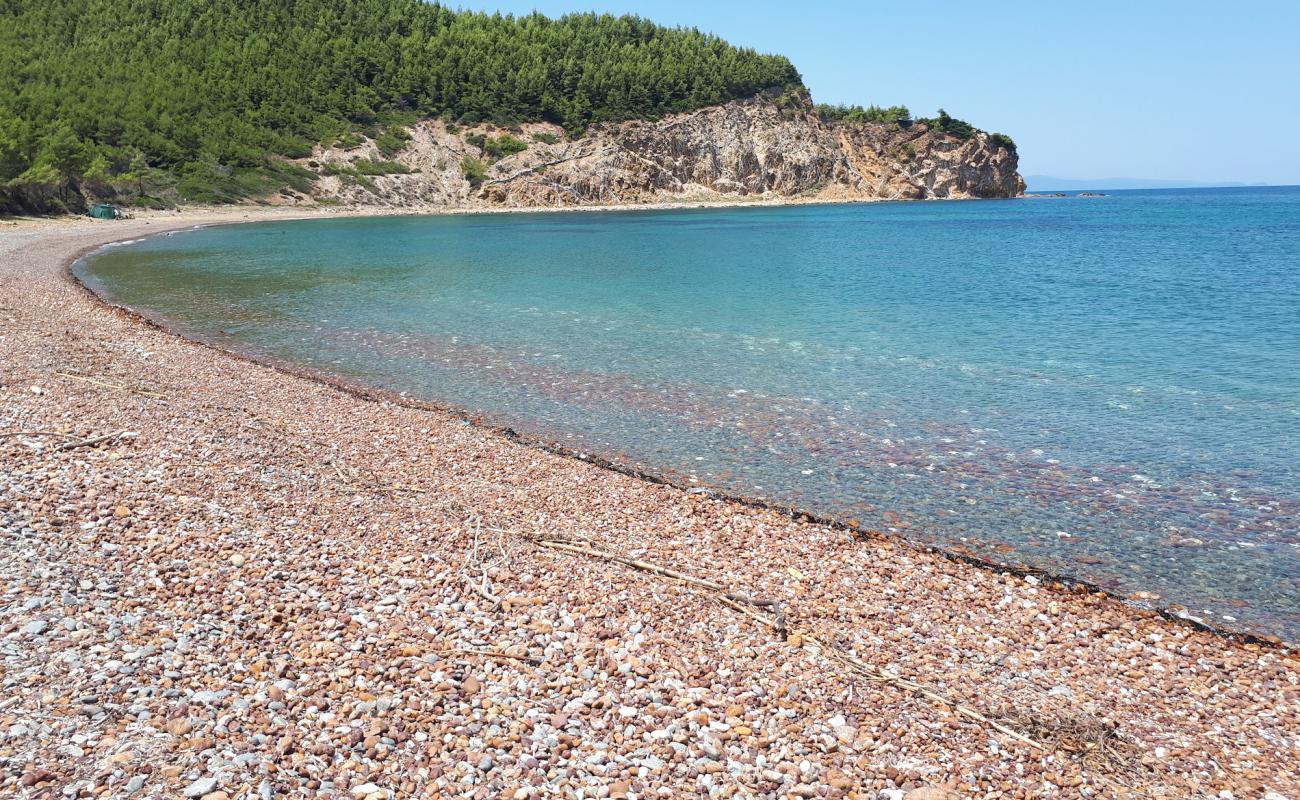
[(1107, 388)]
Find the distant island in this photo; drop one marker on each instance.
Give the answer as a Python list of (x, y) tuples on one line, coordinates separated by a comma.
[(405, 103)]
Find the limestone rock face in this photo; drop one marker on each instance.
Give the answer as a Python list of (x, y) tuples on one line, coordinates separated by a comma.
[(743, 149)]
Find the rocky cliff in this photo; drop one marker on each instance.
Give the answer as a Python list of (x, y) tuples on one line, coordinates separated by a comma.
[(745, 149)]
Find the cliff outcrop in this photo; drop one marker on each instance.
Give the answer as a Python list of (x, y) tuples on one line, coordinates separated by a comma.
[(744, 149)]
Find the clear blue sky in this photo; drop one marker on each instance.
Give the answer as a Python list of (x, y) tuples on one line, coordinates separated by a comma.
[(1193, 90)]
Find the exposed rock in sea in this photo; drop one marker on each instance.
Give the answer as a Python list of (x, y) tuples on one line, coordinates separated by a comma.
[(750, 149)]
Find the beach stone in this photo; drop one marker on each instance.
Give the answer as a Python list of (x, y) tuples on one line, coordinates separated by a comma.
[(931, 793), (36, 627), (179, 726), (36, 776), (200, 787)]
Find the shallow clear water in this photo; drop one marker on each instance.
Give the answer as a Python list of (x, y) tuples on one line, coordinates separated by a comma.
[(1107, 388)]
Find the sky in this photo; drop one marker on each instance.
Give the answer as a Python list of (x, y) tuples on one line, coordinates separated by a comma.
[(1174, 91)]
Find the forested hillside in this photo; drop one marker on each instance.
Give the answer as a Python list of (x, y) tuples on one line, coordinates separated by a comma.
[(206, 99)]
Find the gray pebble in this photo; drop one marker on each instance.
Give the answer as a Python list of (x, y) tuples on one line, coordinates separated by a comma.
[(200, 787)]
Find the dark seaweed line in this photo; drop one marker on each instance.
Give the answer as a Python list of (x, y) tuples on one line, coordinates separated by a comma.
[(1053, 580)]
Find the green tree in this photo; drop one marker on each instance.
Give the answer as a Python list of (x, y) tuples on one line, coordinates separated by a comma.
[(66, 155)]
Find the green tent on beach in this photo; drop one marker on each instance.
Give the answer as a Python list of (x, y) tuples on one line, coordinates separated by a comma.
[(104, 211)]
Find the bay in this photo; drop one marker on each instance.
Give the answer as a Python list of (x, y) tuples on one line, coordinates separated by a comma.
[(1106, 388)]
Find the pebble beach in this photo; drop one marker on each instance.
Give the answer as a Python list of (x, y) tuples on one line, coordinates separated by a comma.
[(222, 581)]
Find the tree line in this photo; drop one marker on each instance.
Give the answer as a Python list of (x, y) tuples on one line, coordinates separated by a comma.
[(208, 99)]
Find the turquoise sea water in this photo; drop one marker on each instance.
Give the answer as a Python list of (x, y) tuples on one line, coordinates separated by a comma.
[(1107, 388)]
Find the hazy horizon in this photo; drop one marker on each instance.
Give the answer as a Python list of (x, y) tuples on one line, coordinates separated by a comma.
[(1059, 182), (1193, 91)]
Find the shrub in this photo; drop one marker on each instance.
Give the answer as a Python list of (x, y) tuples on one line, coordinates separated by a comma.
[(504, 146), (145, 201), (546, 137), (951, 125), (392, 140), (474, 170), (293, 147), (860, 115), (350, 141), (790, 101), (367, 167), (1002, 140)]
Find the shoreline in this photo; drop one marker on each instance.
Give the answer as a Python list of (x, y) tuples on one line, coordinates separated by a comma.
[(313, 211), (1067, 583), (278, 482)]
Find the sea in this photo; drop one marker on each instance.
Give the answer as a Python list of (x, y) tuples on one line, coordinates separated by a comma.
[(1101, 388)]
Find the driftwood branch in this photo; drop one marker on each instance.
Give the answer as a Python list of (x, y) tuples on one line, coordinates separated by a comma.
[(776, 621), (644, 566), (497, 654), (94, 440), (114, 386)]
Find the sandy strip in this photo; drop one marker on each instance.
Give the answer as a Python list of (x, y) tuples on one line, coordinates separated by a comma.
[(257, 585)]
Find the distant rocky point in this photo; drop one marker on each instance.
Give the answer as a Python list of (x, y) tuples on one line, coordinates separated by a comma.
[(755, 148)]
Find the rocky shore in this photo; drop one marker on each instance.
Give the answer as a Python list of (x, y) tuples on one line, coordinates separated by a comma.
[(745, 150), (222, 581)]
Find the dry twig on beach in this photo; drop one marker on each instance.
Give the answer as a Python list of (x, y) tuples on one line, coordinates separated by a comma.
[(497, 654), (94, 440), (776, 621), (114, 386), (483, 587)]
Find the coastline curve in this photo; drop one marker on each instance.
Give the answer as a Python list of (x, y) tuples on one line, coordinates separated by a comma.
[(1059, 581)]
